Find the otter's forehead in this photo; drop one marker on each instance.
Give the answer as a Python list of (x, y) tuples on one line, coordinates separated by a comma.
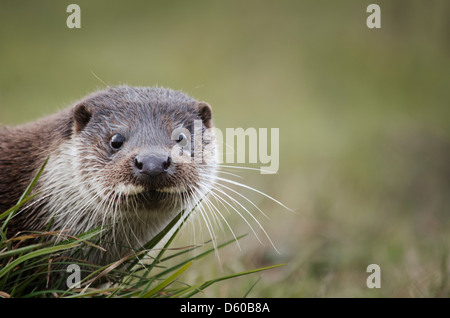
[(144, 104), (142, 99), (143, 115)]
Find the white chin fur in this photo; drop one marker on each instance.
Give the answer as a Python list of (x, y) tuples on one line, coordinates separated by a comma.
[(172, 190), (129, 189)]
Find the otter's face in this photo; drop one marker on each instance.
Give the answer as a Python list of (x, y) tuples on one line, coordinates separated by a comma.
[(150, 150)]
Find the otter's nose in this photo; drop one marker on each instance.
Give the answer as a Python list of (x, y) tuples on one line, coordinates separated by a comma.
[(152, 164)]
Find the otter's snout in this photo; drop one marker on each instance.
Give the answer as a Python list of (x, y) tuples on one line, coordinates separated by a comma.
[(152, 164)]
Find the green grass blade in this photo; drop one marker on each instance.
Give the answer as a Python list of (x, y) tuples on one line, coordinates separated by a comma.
[(167, 281), (41, 252), (251, 288), (197, 257), (93, 292), (21, 250), (17, 206), (9, 214), (33, 182), (208, 283), (155, 240)]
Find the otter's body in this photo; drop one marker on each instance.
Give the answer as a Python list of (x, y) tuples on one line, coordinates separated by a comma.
[(121, 157)]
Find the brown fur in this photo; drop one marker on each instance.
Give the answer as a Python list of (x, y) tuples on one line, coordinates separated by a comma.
[(23, 149)]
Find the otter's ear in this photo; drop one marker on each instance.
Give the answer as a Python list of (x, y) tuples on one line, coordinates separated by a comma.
[(81, 117), (205, 113)]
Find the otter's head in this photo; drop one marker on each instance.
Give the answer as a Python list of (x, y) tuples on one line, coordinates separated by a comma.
[(137, 157), (151, 146)]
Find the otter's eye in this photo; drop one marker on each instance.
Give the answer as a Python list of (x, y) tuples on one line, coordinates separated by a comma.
[(182, 140), (117, 141)]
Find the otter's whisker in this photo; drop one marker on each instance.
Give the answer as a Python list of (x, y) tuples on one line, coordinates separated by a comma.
[(218, 197), (208, 225), (220, 166), (244, 197), (209, 202), (251, 215), (253, 189), (230, 174)]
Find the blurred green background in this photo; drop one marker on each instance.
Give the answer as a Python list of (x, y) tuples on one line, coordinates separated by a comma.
[(363, 117)]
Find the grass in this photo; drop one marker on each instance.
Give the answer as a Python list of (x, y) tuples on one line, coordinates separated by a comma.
[(34, 264)]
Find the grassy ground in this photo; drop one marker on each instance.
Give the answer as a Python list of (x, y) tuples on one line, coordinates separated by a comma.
[(363, 117)]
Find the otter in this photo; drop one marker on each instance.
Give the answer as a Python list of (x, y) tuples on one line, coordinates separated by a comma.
[(121, 156)]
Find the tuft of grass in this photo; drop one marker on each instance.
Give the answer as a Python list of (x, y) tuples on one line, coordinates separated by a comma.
[(35, 264)]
